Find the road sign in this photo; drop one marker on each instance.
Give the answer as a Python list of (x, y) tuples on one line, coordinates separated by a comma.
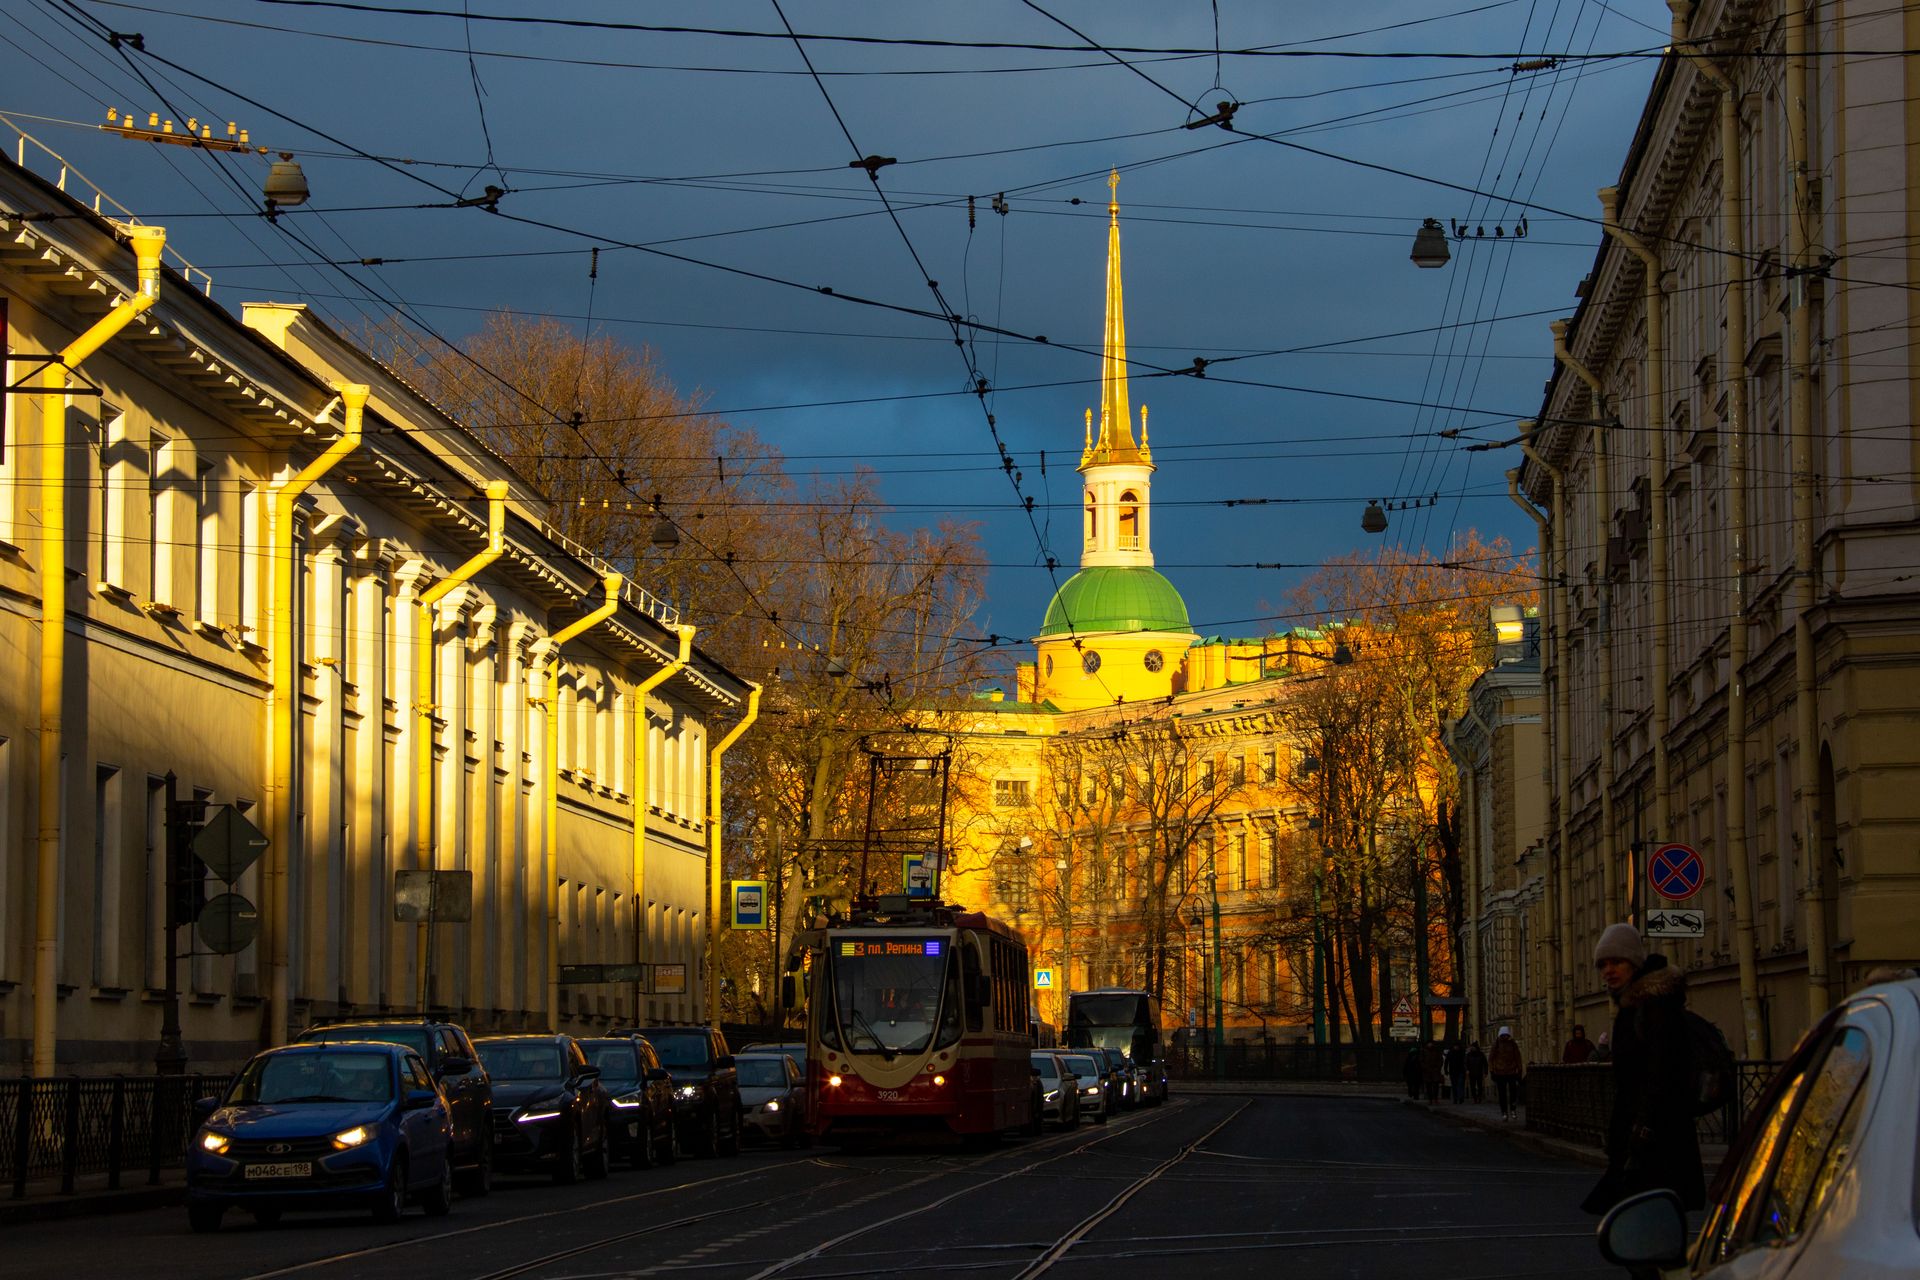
[(1676, 922), (1399, 1032), (1675, 871), (916, 873), (1403, 1012), (573, 975), (1043, 979), (229, 844), (670, 979), (442, 897), (750, 904), (229, 923)]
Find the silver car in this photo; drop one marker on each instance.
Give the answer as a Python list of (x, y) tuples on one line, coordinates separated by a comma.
[(1091, 1080), (1059, 1090), (773, 1097)]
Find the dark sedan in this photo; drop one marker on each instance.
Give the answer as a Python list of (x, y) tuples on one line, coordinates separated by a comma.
[(318, 1127), (549, 1107), (642, 1095)]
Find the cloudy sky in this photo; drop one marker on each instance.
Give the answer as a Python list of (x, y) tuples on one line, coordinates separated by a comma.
[(710, 168)]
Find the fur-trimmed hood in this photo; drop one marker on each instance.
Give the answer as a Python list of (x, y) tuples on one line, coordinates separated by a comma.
[(1656, 980)]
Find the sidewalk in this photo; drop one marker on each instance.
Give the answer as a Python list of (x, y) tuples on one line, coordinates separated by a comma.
[(1486, 1115), (1289, 1088), (44, 1203)]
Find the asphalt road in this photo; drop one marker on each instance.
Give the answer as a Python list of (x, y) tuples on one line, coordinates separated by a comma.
[(1217, 1186)]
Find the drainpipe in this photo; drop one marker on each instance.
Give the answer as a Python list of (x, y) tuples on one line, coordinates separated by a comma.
[(1734, 430), (640, 692), (285, 747), (1602, 494), (713, 850), (1806, 707), (425, 654), (599, 614), (147, 243), (1561, 887), (1658, 569)]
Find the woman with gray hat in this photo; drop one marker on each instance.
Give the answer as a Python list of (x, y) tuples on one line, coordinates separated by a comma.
[(1650, 1137)]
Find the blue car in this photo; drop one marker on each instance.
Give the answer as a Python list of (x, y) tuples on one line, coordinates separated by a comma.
[(321, 1126)]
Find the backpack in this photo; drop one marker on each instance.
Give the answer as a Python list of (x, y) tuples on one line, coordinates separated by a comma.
[(1711, 1060)]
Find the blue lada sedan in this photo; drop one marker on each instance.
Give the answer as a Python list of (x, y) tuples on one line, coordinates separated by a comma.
[(321, 1126)]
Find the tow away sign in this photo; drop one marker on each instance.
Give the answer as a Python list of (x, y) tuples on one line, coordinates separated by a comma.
[(1676, 922)]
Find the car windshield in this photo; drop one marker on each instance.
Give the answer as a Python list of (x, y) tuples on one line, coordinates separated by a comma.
[(342, 1076), (681, 1049), (762, 1073), (521, 1059), (414, 1038), (887, 992), (617, 1061), (1046, 1068), (1083, 1067)]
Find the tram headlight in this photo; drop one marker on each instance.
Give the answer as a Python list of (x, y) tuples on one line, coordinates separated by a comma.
[(833, 1082), (939, 1079)]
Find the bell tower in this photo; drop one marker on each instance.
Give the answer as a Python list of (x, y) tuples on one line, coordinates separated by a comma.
[(1116, 520)]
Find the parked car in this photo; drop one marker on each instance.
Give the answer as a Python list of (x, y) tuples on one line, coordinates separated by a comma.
[(448, 1052), (320, 1126), (706, 1089), (1126, 1088), (795, 1049), (773, 1097), (549, 1107), (1060, 1094), (1091, 1083), (641, 1093), (1821, 1180)]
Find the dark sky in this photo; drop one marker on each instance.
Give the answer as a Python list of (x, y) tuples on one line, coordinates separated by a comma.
[(723, 148)]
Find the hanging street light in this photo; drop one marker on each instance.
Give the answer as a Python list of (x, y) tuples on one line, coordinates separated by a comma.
[(1430, 245), (1373, 519), (286, 185)]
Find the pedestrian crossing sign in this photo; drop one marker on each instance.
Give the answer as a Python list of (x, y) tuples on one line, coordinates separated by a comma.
[(1043, 979)]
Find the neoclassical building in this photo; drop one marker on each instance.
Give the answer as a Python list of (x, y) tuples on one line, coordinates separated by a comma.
[(286, 584)]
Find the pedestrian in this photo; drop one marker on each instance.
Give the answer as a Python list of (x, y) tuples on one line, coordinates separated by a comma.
[(1603, 1051), (1477, 1071), (1651, 1140), (1579, 1049), (1411, 1072), (1430, 1070), (1507, 1067), (1457, 1072)]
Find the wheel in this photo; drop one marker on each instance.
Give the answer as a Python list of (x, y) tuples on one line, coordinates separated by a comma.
[(729, 1145), (266, 1217), (668, 1149), (707, 1141), (570, 1169), (205, 1217), (393, 1197), (1100, 1117), (595, 1161), (478, 1181), (641, 1153), (438, 1199)]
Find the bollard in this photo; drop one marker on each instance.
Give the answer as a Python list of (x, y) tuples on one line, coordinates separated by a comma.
[(116, 1132)]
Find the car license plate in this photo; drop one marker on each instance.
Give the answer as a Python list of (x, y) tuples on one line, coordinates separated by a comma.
[(302, 1169)]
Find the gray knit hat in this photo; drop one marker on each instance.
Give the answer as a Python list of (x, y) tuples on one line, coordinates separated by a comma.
[(1621, 942)]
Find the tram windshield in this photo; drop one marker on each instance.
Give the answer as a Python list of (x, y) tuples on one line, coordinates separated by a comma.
[(890, 994)]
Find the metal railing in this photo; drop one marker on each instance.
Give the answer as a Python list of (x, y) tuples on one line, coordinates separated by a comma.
[(1575, 1102), (68, 1127), (1268, 1061)]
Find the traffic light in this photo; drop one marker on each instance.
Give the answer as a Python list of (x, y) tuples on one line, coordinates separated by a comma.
[(186, 874)]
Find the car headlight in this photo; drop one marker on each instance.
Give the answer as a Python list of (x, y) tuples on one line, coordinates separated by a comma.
[(1091, 1091), (627, 1102), (214, 1142), (773, 1104), (535, 1117), (1053, 1095), (352, 1137), (687, 1092)]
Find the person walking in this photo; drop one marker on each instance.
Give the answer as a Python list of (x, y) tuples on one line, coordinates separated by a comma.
[(1411, 1071), (1477, 1071), (1430, 1070), (1457, 1072), (1507, 1067), (1651, 1140), (1579, 1049)]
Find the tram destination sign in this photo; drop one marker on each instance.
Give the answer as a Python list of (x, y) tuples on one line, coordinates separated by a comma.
[(892, 947)]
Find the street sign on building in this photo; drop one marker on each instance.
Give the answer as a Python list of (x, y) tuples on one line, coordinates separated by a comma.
[(228, 843), (1676, 872), (750, 904), (1676, 922), (669, 979), (442, 897), (916, 873), (1043, 979), (228, 923)]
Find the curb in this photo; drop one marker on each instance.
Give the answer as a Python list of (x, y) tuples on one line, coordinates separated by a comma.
[(90, 1204), (1526, 1139)]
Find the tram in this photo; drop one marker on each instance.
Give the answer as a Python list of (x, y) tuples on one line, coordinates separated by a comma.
[(917, 1020)]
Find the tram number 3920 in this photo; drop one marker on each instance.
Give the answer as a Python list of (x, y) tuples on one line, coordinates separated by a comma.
[(889, 1095)]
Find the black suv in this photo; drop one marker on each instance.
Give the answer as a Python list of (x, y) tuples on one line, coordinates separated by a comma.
[(448, 1052), (706, 1090), (549, 1107), (642, 1094)]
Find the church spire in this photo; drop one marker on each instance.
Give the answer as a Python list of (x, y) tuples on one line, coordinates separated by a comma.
[(1114, 443)]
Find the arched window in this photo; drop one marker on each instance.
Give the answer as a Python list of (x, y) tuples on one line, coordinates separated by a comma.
[(1129, 521), (1092, 519)]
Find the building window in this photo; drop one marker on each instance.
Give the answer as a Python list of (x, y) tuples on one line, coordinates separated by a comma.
[(107, 895), (1010, 793), (1206, 775), (1093, 520), (1129, 521), (11, 446), (1269, 859), (206, 586), (1240, 861), (1239, 771), (118, 474), (248, 578), (1269, 770)]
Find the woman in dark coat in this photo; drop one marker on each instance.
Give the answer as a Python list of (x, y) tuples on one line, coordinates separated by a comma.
[(1650, 1137)]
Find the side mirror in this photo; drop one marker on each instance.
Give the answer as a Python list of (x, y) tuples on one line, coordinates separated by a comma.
[(724, 1062), (587, 1073), (420, 1099), (202, 1108), (1647, 1230), (452, 1065), (656, 1074)]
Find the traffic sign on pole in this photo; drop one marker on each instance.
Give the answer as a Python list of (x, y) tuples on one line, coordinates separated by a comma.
[(1043, 979), (1676, 872), (229, 843)]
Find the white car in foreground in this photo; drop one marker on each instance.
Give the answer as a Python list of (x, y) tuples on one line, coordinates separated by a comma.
[(1823, 1179)]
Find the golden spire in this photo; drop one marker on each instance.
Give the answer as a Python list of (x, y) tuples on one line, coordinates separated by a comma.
[(1114, 440)]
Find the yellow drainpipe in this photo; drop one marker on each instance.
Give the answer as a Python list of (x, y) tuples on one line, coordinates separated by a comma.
[(719, 749), (424, 705), (1561, 877), (285, 746), (639, 749), (1733, 429), (147, 243), (1658, 569), (1602, 493), (551, 690)]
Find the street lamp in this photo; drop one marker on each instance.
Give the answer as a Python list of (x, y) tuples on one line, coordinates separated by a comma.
[(1430, 245)]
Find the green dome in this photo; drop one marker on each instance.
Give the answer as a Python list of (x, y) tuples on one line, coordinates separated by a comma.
[(1115, 598)]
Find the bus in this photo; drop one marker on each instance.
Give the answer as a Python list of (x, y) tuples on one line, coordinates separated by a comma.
[(1127, 1020), (917, 1020)]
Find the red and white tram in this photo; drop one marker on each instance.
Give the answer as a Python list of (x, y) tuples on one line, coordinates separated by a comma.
[(917, 1019)]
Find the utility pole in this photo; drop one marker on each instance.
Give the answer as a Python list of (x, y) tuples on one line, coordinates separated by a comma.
[(1219, 1006), (171, 1059), (1420, 941)]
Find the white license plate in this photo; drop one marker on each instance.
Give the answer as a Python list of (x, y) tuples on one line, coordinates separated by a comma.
[(303, 1169)]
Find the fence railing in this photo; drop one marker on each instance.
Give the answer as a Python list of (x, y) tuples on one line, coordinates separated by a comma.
[(68, 1127), (1574, 1102), (1258, 1061)]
